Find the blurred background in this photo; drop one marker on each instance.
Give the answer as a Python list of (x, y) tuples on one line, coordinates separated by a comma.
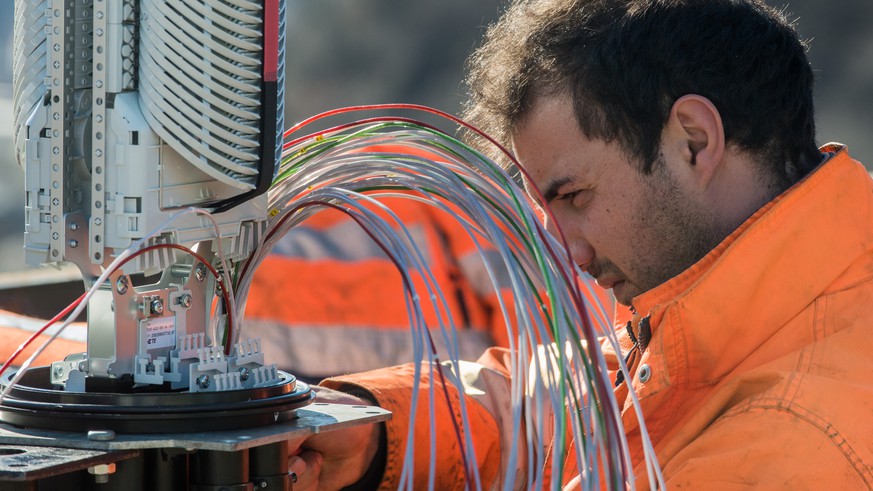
[(344, 52)]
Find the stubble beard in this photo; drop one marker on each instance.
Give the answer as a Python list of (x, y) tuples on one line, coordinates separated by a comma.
[(674, 230)]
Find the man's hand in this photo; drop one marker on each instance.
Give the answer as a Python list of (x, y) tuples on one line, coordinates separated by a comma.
[(332, 460)]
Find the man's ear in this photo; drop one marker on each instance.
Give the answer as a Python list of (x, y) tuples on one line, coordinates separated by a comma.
[(694, 130)]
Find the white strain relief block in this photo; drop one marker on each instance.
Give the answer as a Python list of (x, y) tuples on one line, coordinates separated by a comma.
[(266, 375), (227, 381), (249, 351), (212, 358), (191, 345)]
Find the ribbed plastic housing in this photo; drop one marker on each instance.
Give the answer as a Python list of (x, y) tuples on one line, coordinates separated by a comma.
[(28, 66), (201, 82)]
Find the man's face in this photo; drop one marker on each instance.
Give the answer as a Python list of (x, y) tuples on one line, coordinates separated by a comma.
[(630, 231)]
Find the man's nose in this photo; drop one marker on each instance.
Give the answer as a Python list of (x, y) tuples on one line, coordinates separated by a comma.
[(580, 250)]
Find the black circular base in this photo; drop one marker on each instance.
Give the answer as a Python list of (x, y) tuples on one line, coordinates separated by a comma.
[(34, 403)]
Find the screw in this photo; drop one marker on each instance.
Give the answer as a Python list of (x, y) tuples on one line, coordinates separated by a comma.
[(243, 374), (200, 272), (74, 226), (157, 306), (121, 285), (203, 381), (185, 301), (74, 243)]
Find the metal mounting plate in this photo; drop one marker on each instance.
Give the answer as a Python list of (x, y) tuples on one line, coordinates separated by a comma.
[(317, 417)]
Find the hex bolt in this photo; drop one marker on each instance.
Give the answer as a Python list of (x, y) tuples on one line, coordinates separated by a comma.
[(122, 284), (101, 472), (203, 381), (157, 306)]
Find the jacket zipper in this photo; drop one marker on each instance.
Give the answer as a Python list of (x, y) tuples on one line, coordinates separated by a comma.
[(640, 343)]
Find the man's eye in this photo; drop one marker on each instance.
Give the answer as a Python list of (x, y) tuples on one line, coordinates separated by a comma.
[(576, 199), (569, 196)]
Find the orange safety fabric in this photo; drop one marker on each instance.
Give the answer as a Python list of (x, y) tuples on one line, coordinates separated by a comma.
[(328, 271), (761, 373), (12, 336)]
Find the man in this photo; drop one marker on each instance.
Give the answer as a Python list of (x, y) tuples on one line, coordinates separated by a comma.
[(674, 141)]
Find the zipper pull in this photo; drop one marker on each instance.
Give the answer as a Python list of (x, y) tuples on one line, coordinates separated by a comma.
[(619, 377)]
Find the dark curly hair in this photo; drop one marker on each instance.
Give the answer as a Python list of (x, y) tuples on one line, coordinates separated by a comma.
[(625, 62)]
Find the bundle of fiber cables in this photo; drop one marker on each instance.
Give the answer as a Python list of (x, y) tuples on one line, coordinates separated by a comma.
[(562, 399)]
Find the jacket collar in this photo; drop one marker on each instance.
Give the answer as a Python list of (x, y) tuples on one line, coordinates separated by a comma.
[(761, 276)]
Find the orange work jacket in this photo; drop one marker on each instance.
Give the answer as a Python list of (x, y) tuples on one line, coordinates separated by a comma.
[(759, 371)]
